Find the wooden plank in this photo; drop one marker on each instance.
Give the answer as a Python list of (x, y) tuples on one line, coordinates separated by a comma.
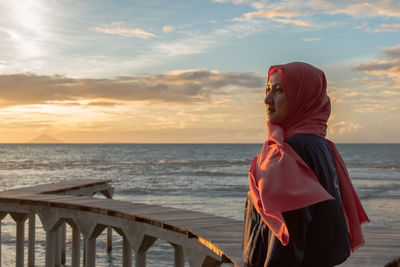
[(63, 185)]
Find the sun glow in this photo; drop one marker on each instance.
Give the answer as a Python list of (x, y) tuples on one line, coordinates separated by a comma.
[(28, 19)]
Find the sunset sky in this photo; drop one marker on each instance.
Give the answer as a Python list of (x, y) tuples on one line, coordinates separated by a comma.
[(191, 71)]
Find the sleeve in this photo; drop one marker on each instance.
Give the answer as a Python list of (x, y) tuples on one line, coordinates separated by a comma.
[(298, 222)]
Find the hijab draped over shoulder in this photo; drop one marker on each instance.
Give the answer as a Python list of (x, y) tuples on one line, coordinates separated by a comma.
[(279, 179)]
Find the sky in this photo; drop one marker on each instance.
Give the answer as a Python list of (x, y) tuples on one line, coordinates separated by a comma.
[(191, 71)]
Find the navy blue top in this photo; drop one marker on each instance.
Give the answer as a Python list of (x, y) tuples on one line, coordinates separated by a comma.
[(318, 233)]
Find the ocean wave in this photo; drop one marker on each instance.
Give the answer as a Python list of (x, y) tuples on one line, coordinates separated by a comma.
[(213, 162), (213, 189), (216, 173), (379, 191), (94, 163), (51, 165), (367, 165)]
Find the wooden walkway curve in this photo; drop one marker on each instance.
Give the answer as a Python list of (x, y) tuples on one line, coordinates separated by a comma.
[(219, 234)]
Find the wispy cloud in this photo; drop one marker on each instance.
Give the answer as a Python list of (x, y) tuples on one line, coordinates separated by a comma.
[(269, 14), (179, 86), (168, 29), (387, 64), (311, 39), (300, 13), (284, 16), (197, 42), (343, 128), (119, 28), (236, 2), (384, 8)]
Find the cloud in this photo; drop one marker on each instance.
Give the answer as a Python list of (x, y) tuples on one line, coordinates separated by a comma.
[(183, 86), (196, 43), (236, 2), (281, 15), (343, 128), (384, 8), (168, 29), (269, 14), (387, 28), (118, 28), (300, 13), (311, 39), (387, 63)]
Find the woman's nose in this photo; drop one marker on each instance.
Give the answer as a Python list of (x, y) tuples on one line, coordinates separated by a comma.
[(267, 99)]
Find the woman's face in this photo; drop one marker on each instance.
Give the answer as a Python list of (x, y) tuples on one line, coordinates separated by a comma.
[(275, 101)]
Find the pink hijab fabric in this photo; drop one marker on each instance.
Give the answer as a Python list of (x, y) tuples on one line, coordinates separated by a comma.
[(279, 179)]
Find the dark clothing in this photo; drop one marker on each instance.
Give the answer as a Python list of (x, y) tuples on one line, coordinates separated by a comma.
[(318, 233)]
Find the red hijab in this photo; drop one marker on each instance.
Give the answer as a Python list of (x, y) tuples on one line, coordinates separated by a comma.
[(279, 179)]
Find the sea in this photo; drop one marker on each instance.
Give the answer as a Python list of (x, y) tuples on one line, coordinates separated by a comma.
[(210, 178)]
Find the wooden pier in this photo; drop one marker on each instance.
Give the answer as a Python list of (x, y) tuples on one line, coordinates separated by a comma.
[(382, 246), (202, 239)]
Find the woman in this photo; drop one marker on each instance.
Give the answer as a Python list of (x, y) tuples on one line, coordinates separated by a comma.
[(302, 209)]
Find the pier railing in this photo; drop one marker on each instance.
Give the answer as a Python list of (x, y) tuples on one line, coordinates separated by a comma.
[(203, 239)]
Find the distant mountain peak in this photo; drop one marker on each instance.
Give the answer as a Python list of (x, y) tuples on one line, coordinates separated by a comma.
[(45, 139)]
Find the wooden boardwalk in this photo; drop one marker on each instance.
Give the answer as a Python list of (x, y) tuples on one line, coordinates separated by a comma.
[(220, 234), (381, 247)]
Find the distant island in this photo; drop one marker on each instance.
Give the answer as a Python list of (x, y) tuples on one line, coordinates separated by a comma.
[(45, 139)]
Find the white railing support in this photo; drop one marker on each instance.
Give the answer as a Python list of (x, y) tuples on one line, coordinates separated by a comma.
[(76, 246), (63, 241), (109, 239), (145, 244), (109, 194), (2, 215), (91, 245), (90, 252), (195, 259), (31, 240), (50, 248), (58, 248), (20, 218), (84, 248), (126, 253), (179, 258)]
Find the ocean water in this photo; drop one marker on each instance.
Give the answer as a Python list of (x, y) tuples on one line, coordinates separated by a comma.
[(209, 178)]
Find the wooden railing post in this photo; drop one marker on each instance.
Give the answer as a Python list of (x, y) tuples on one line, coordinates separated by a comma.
[(179, 257), (146, 243), (76, 247), (58, 248), (90, 255), (20, 218), (90, 252), (50, 248), (126, 253), (109, 239), (2, 215), (63, 240), (84, 248), (109, 194), (31, 240)]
